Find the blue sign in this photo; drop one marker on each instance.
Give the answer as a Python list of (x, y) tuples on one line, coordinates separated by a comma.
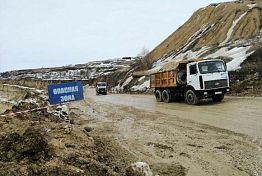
[(66, 92)]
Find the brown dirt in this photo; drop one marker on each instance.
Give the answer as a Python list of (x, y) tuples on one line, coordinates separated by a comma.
[(47, 148), (41, 143), (111, 132), (222, 16)]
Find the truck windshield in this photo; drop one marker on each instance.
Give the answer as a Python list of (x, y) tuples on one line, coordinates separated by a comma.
[(101, 84), (211, 67)]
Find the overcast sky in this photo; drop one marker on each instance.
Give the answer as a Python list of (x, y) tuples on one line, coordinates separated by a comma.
[(43, 33)]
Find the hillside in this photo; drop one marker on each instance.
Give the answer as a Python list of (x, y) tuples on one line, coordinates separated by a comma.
[(231, 31), (217, 25)]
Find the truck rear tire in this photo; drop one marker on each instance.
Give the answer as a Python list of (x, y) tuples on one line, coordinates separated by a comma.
[(191, 97), (218, 98), (181, 77), (158, 95), (166, 96)]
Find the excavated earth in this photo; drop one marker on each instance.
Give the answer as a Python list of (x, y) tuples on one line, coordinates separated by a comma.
[(219, 18), (106, 134), (46, 147), (42, 143)]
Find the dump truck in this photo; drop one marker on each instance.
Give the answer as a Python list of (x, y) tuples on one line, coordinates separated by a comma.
[(191, 81)]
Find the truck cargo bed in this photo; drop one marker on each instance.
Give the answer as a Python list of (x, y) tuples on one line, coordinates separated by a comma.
[(163, 79)]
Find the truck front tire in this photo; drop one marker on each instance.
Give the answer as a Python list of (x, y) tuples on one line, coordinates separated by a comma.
[(166, 96), (158, 95), (218, 98), (191, 97)]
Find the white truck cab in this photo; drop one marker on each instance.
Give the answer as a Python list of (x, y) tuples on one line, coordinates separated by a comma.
[(207, 78)]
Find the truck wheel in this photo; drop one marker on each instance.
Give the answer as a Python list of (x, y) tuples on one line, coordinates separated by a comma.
[(158, 95), (191, 97), (166, 96), (218, 98), (181, 77)]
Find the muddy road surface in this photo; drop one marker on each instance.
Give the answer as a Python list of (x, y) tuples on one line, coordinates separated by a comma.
[(179, 139), (241, 115)]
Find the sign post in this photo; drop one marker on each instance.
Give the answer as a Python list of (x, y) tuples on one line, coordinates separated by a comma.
[(65, 92)]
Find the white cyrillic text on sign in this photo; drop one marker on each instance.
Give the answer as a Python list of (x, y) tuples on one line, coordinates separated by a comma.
[(63, 90)]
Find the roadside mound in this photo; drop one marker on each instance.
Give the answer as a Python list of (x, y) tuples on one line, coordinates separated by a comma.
[(49, 148)]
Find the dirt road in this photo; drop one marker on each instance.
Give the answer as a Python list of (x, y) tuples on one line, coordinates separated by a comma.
[(241, 115), (210, 139)]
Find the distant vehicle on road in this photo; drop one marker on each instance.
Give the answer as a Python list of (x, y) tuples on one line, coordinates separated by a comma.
[(101, 88), (192, 81)]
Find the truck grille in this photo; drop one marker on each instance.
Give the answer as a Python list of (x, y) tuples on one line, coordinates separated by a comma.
[(216, 84)]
